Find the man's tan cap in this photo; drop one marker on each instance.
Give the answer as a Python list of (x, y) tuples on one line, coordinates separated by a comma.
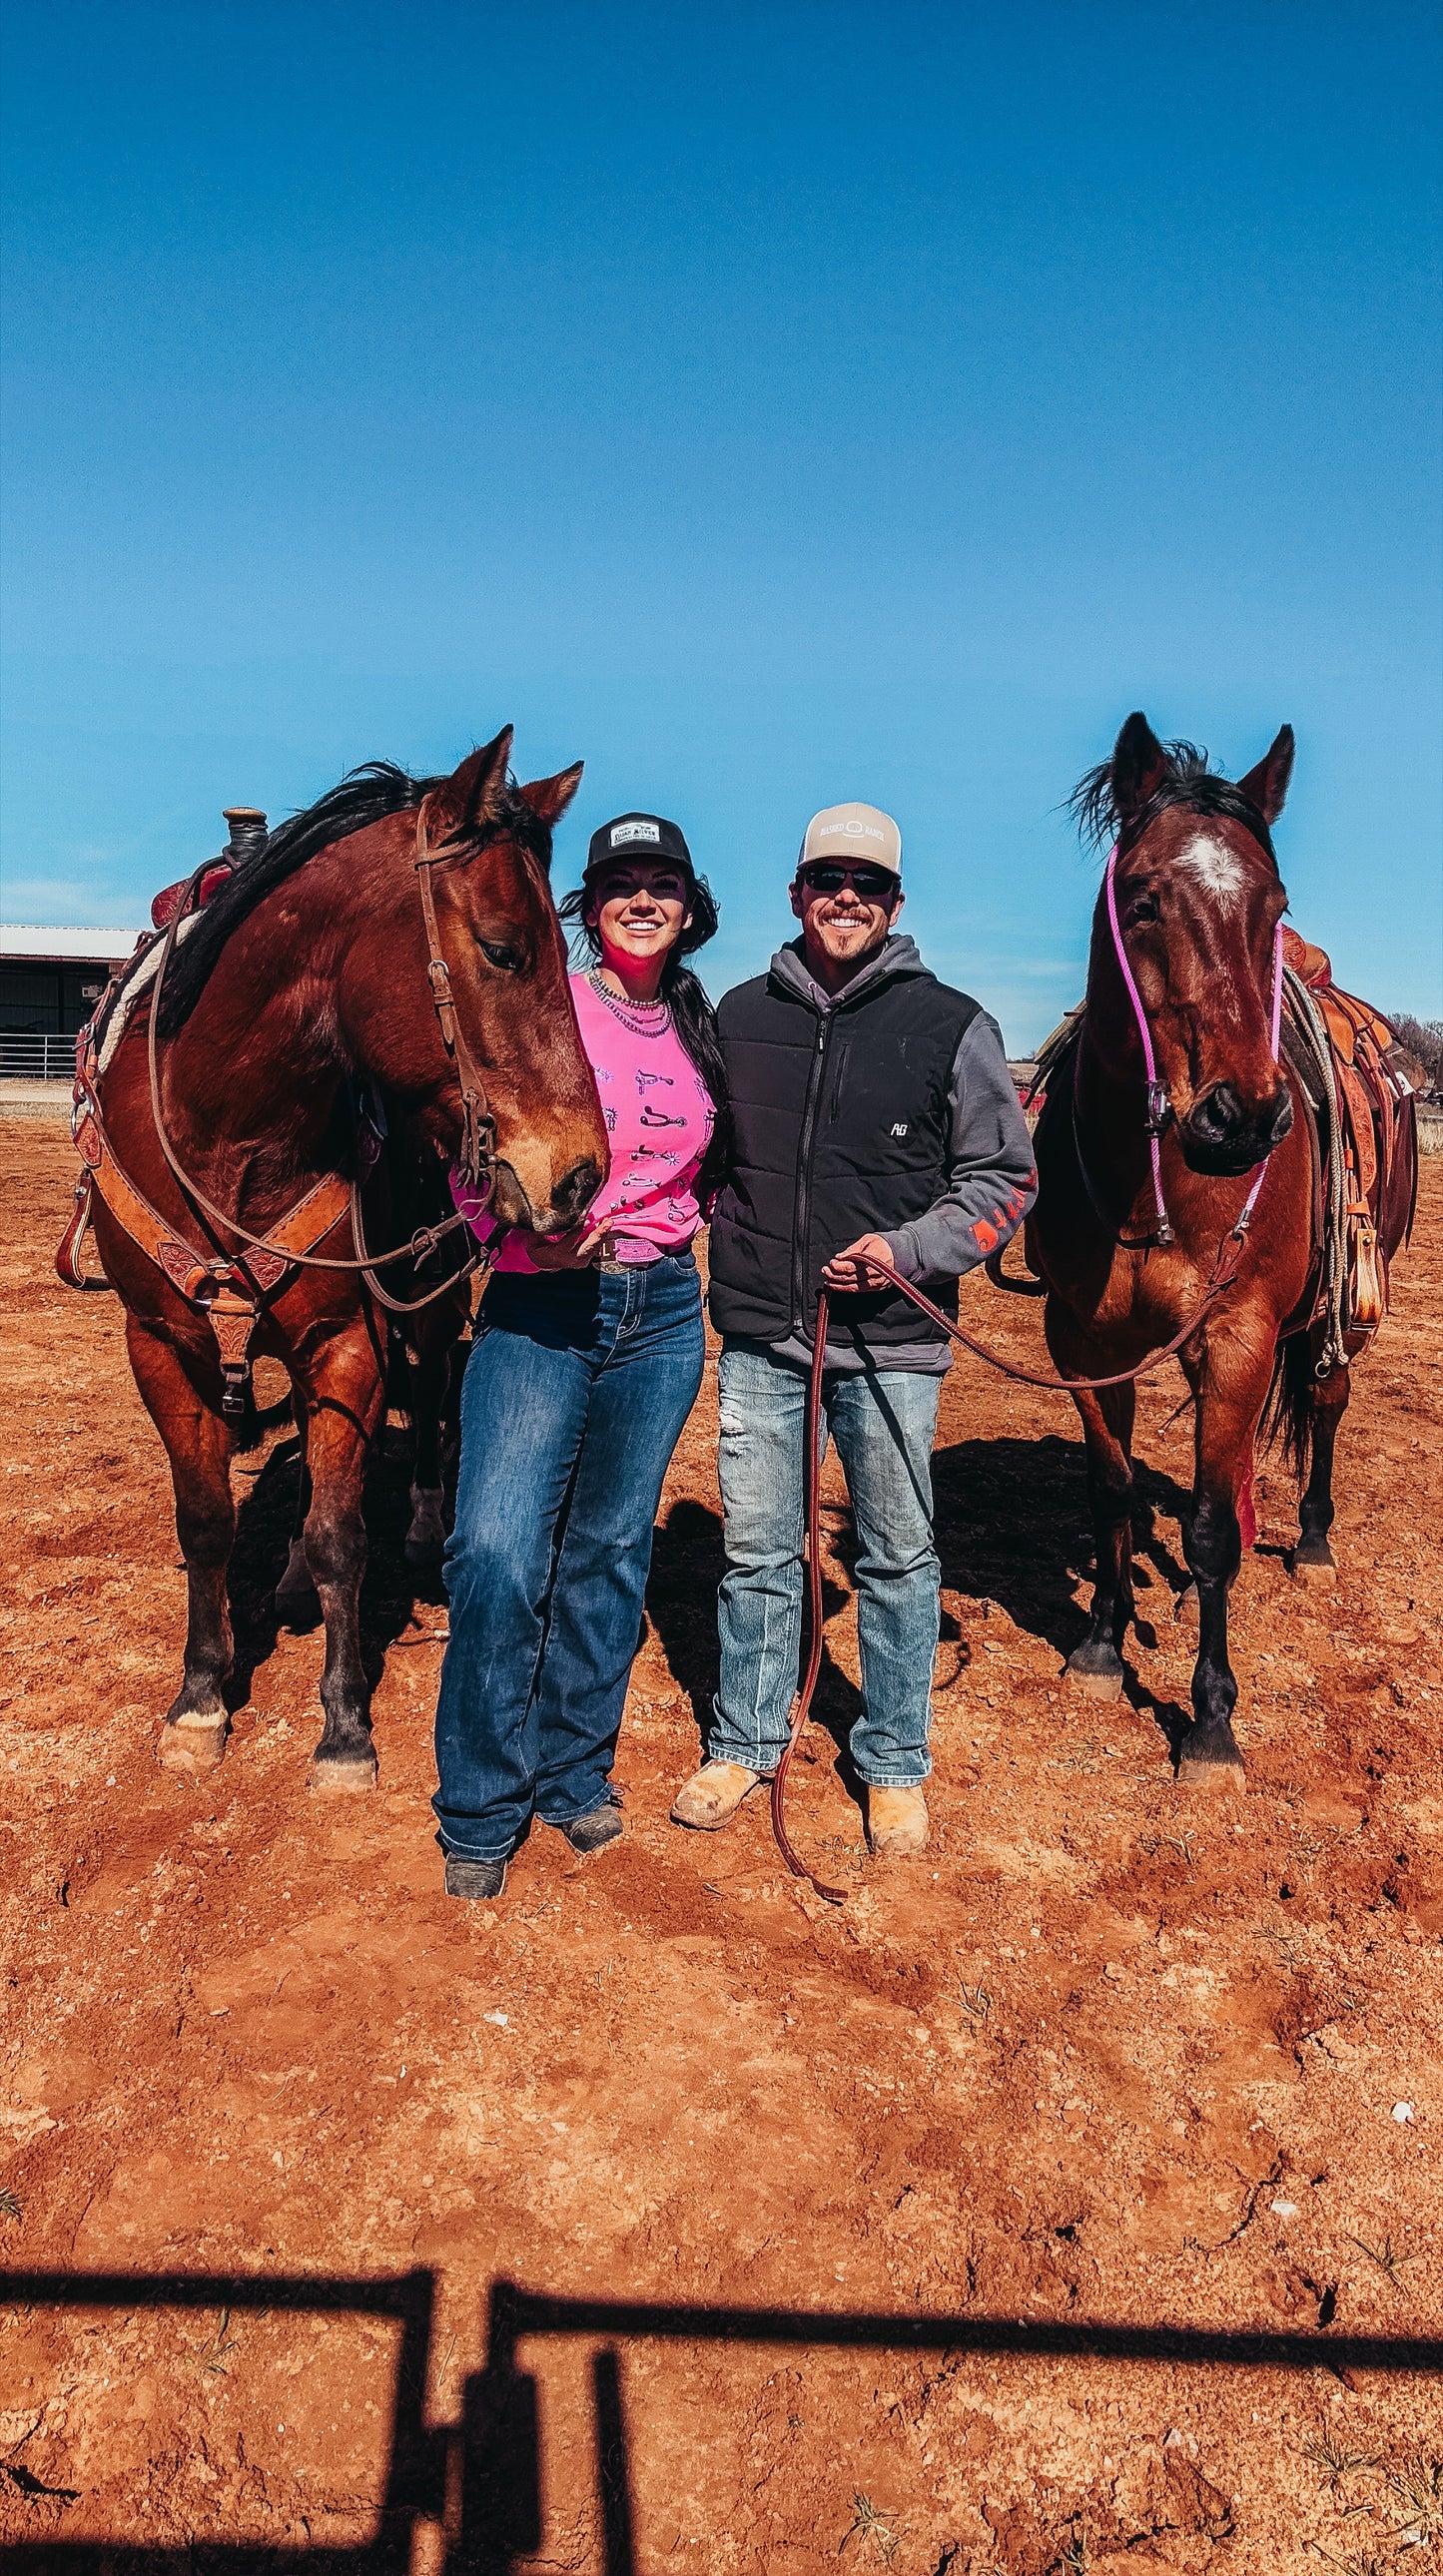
[(857, 832)]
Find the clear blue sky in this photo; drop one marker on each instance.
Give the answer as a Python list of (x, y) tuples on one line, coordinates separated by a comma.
[(768, 404)]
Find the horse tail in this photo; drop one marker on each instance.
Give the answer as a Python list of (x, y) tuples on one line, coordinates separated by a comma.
[(1288, 1413)]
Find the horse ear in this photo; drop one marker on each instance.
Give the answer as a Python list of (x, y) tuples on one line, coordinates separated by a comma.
[(1139, 766), (473, 793), (548, 798), (1267, 785)]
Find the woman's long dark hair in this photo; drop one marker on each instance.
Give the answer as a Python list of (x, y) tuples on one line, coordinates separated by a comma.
[(692, 1015)]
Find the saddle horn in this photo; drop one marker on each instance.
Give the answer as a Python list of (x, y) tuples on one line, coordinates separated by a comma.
[(248, 833)]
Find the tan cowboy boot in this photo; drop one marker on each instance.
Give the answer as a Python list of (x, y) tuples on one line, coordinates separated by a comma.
[(896, 1822), (713, 1794)]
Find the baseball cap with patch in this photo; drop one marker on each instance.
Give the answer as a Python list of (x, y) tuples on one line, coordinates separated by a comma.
[(859, 832), (638, 836)]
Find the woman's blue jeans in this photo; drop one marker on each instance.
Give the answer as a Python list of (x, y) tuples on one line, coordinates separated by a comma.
[(883, 1424), (573, 1401)]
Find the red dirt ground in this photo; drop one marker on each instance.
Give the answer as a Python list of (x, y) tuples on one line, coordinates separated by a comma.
[(1106, 2059)]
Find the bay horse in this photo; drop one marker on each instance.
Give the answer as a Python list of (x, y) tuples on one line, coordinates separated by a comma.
[(1176, 1173), (399, 936)]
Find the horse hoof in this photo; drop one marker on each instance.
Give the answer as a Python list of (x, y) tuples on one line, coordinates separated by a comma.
[(426, 1537), (1218, 1778), (1319, 1571), (1098, 1679), (351, 1779), (192, 1745)]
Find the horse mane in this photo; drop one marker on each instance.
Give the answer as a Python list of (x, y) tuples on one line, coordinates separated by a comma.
[(1189, 781), (366, 795)]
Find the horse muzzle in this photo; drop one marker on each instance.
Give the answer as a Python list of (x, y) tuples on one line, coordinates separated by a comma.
[(1222, 1135), (571, 1196)]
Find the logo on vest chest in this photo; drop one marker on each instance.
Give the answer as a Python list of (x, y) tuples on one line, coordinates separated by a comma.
[(900, 1127)]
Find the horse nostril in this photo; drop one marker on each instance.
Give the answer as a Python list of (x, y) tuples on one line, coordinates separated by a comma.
[(577, 1190), (1218, 1115), (1282, 1117)]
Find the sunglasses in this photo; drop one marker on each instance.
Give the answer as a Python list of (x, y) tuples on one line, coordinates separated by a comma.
[(828, 876)]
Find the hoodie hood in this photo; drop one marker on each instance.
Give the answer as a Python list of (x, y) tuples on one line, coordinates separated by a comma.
[(898, 956)]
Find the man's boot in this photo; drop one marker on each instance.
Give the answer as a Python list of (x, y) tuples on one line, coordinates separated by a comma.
[(713, 1794), (896, 1822)]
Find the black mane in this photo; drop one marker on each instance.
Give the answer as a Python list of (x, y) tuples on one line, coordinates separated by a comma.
[(364, 796), (1189, 782)]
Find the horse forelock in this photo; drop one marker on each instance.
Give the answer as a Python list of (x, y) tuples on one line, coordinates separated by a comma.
[(1188, 782)]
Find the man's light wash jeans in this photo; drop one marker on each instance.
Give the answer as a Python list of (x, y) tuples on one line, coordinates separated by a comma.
[(883, 1424)]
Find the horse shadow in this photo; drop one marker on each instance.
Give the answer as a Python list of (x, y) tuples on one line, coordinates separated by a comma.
[(391, 1593), (1012, 1526)]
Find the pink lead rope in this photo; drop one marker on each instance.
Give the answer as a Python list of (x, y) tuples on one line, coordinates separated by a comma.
[(1156, 1090)]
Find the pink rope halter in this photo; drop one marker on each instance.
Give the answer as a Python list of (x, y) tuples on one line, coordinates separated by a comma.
[(1157, 1103)]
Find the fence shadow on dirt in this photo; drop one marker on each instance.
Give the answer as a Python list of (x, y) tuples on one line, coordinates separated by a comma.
[(480, 2480)]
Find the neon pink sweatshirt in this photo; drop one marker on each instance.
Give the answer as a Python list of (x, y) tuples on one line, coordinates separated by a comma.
[(659, 1119)]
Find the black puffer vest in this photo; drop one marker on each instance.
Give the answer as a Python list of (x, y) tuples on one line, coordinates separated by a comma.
[(842, 1121)]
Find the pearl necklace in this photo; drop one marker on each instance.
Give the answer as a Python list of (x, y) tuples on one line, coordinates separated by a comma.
[(657, 1018)]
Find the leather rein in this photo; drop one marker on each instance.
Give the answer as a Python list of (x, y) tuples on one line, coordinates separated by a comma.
[(1224, 1272), (233, 1289)]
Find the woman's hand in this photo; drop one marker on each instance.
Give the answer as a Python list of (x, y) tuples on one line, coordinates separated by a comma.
[(566, 1251), (858, 1266)]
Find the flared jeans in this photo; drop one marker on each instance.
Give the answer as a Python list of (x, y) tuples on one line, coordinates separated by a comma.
[(573, 1402)]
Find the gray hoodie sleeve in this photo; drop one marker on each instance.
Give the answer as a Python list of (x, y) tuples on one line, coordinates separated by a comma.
[(991, 1176)]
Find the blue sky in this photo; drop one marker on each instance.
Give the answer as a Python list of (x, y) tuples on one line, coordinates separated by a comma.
[(767, 404)]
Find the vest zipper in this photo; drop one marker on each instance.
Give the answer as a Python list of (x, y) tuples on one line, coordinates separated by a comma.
[(804, 1171)]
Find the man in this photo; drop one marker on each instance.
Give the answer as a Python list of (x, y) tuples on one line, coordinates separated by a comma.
[(875, 1119)]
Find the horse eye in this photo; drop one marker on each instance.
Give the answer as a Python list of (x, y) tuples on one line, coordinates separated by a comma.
[(1144, 907), (507, 959)]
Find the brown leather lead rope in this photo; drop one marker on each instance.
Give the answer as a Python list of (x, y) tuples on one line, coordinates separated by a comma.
[(802, 1704), (1224, 1272), (1225, 1269)]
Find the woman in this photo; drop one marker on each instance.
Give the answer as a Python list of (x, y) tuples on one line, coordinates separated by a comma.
[(587, 1365)]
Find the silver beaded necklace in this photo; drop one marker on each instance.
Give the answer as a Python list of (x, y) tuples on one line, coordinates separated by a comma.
[(657, 1018)]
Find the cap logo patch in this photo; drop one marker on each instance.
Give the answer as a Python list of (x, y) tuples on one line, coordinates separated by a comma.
[(622, 834), (859, 831)]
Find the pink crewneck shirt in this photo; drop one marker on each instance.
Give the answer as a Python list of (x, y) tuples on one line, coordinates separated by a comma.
[(659, 1119)]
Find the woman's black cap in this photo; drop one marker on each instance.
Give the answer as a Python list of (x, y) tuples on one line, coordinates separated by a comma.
[(638, 836)]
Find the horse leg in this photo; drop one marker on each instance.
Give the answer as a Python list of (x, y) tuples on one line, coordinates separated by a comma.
[(1313, 1556), (1107, 1418), (198, 1446), (344, 1398), (296, 1599), (1229, 1390)]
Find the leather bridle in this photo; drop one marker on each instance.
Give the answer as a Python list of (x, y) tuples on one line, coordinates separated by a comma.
[(231, 1290)]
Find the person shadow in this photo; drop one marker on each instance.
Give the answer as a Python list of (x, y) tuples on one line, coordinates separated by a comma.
[(687, 1564)]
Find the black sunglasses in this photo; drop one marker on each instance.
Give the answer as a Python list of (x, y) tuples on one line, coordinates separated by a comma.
[(828, 876)]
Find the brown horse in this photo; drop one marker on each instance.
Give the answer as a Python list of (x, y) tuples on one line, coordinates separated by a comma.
[(1176, 1171), (310, 974)]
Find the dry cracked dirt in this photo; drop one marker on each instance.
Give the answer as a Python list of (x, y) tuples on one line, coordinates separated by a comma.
[(1068, 2200)]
